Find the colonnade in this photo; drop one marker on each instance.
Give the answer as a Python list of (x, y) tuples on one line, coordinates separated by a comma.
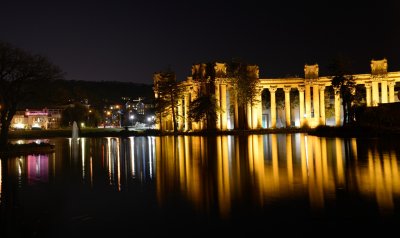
[(379, 86)]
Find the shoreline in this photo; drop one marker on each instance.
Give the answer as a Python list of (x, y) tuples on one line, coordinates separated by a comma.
[(350, 131), (325, 131), (121, 132)]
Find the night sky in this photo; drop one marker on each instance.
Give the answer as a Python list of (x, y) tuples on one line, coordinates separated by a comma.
[(130, 40)]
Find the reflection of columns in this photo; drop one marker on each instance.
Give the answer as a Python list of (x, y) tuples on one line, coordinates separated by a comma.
[(289, 159), (322, 104), (272, 91), (337, 107), (384, 93), (316, 101), (223, 175), (339, 162), (303, 156), (218, 104), (308, 100), (368, 93), (324, 157), (391, 90), (375, 93), (287, 105), (180, 116), (301, 102), (275, 164), (224, 114)]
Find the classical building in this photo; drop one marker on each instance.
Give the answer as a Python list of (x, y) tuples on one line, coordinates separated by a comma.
[(311, 91)]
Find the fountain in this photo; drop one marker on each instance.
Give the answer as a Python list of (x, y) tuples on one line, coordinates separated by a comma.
[(75, 131), (74, 141)]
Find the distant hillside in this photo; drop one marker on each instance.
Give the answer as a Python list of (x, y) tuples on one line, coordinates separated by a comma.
[(97, 93)]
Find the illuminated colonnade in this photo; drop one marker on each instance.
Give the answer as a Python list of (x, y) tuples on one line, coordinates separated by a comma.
[(379, 87)]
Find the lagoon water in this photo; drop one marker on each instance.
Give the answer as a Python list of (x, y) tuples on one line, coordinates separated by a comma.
[(186, 186)]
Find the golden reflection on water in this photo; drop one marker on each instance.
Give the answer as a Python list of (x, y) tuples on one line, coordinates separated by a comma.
[(1, 181), (220, 172), (272, 167)]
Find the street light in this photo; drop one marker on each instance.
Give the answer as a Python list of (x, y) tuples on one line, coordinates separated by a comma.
[(131, 117)]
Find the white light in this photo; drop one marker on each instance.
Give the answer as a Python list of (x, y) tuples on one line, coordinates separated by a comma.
[(132, 117), (19, 126)]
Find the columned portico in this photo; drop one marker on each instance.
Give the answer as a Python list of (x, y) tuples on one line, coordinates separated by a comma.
[(224, 117), (316, 101), (272, 91), (375, 93), (391, 85), (308, 100), (384, 90), (337, 107), (287, 89), (368, 86), (301, 106), (218, 101), (322, 119), (379, 85)]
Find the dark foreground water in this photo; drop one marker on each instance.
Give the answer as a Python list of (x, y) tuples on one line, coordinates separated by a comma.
[(266, 185)]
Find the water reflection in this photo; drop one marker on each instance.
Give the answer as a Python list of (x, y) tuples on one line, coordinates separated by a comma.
[(220, 174), (272, 168)]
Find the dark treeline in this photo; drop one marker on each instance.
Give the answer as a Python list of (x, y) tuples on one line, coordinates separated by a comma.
[(60, 92)]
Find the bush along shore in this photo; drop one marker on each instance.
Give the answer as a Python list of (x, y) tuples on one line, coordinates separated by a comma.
[(356, 131)]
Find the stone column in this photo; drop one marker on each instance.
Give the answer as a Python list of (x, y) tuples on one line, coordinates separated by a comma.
[(193, 96), (301, 106), (218, 101), (180, 114), (249, 120), (224, 117), (375, 93), (337, 107), (368, 93), (260, 109), (257, 111), (391, 90), (287, 105), (308, 100), (236, 111), (384, 92), (272, 91), (316, 102), (322, 119)]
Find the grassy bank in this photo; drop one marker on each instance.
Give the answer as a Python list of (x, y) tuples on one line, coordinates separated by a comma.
[(356, 131)]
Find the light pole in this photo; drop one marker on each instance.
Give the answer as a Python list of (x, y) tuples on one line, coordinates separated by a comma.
[(131, 117)]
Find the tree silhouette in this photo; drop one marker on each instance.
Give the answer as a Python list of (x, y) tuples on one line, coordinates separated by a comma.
[(169, 93), (344, 84), (19, 70), (245, 82)]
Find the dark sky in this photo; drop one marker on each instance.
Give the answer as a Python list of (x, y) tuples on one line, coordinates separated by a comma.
[(130, 40)]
